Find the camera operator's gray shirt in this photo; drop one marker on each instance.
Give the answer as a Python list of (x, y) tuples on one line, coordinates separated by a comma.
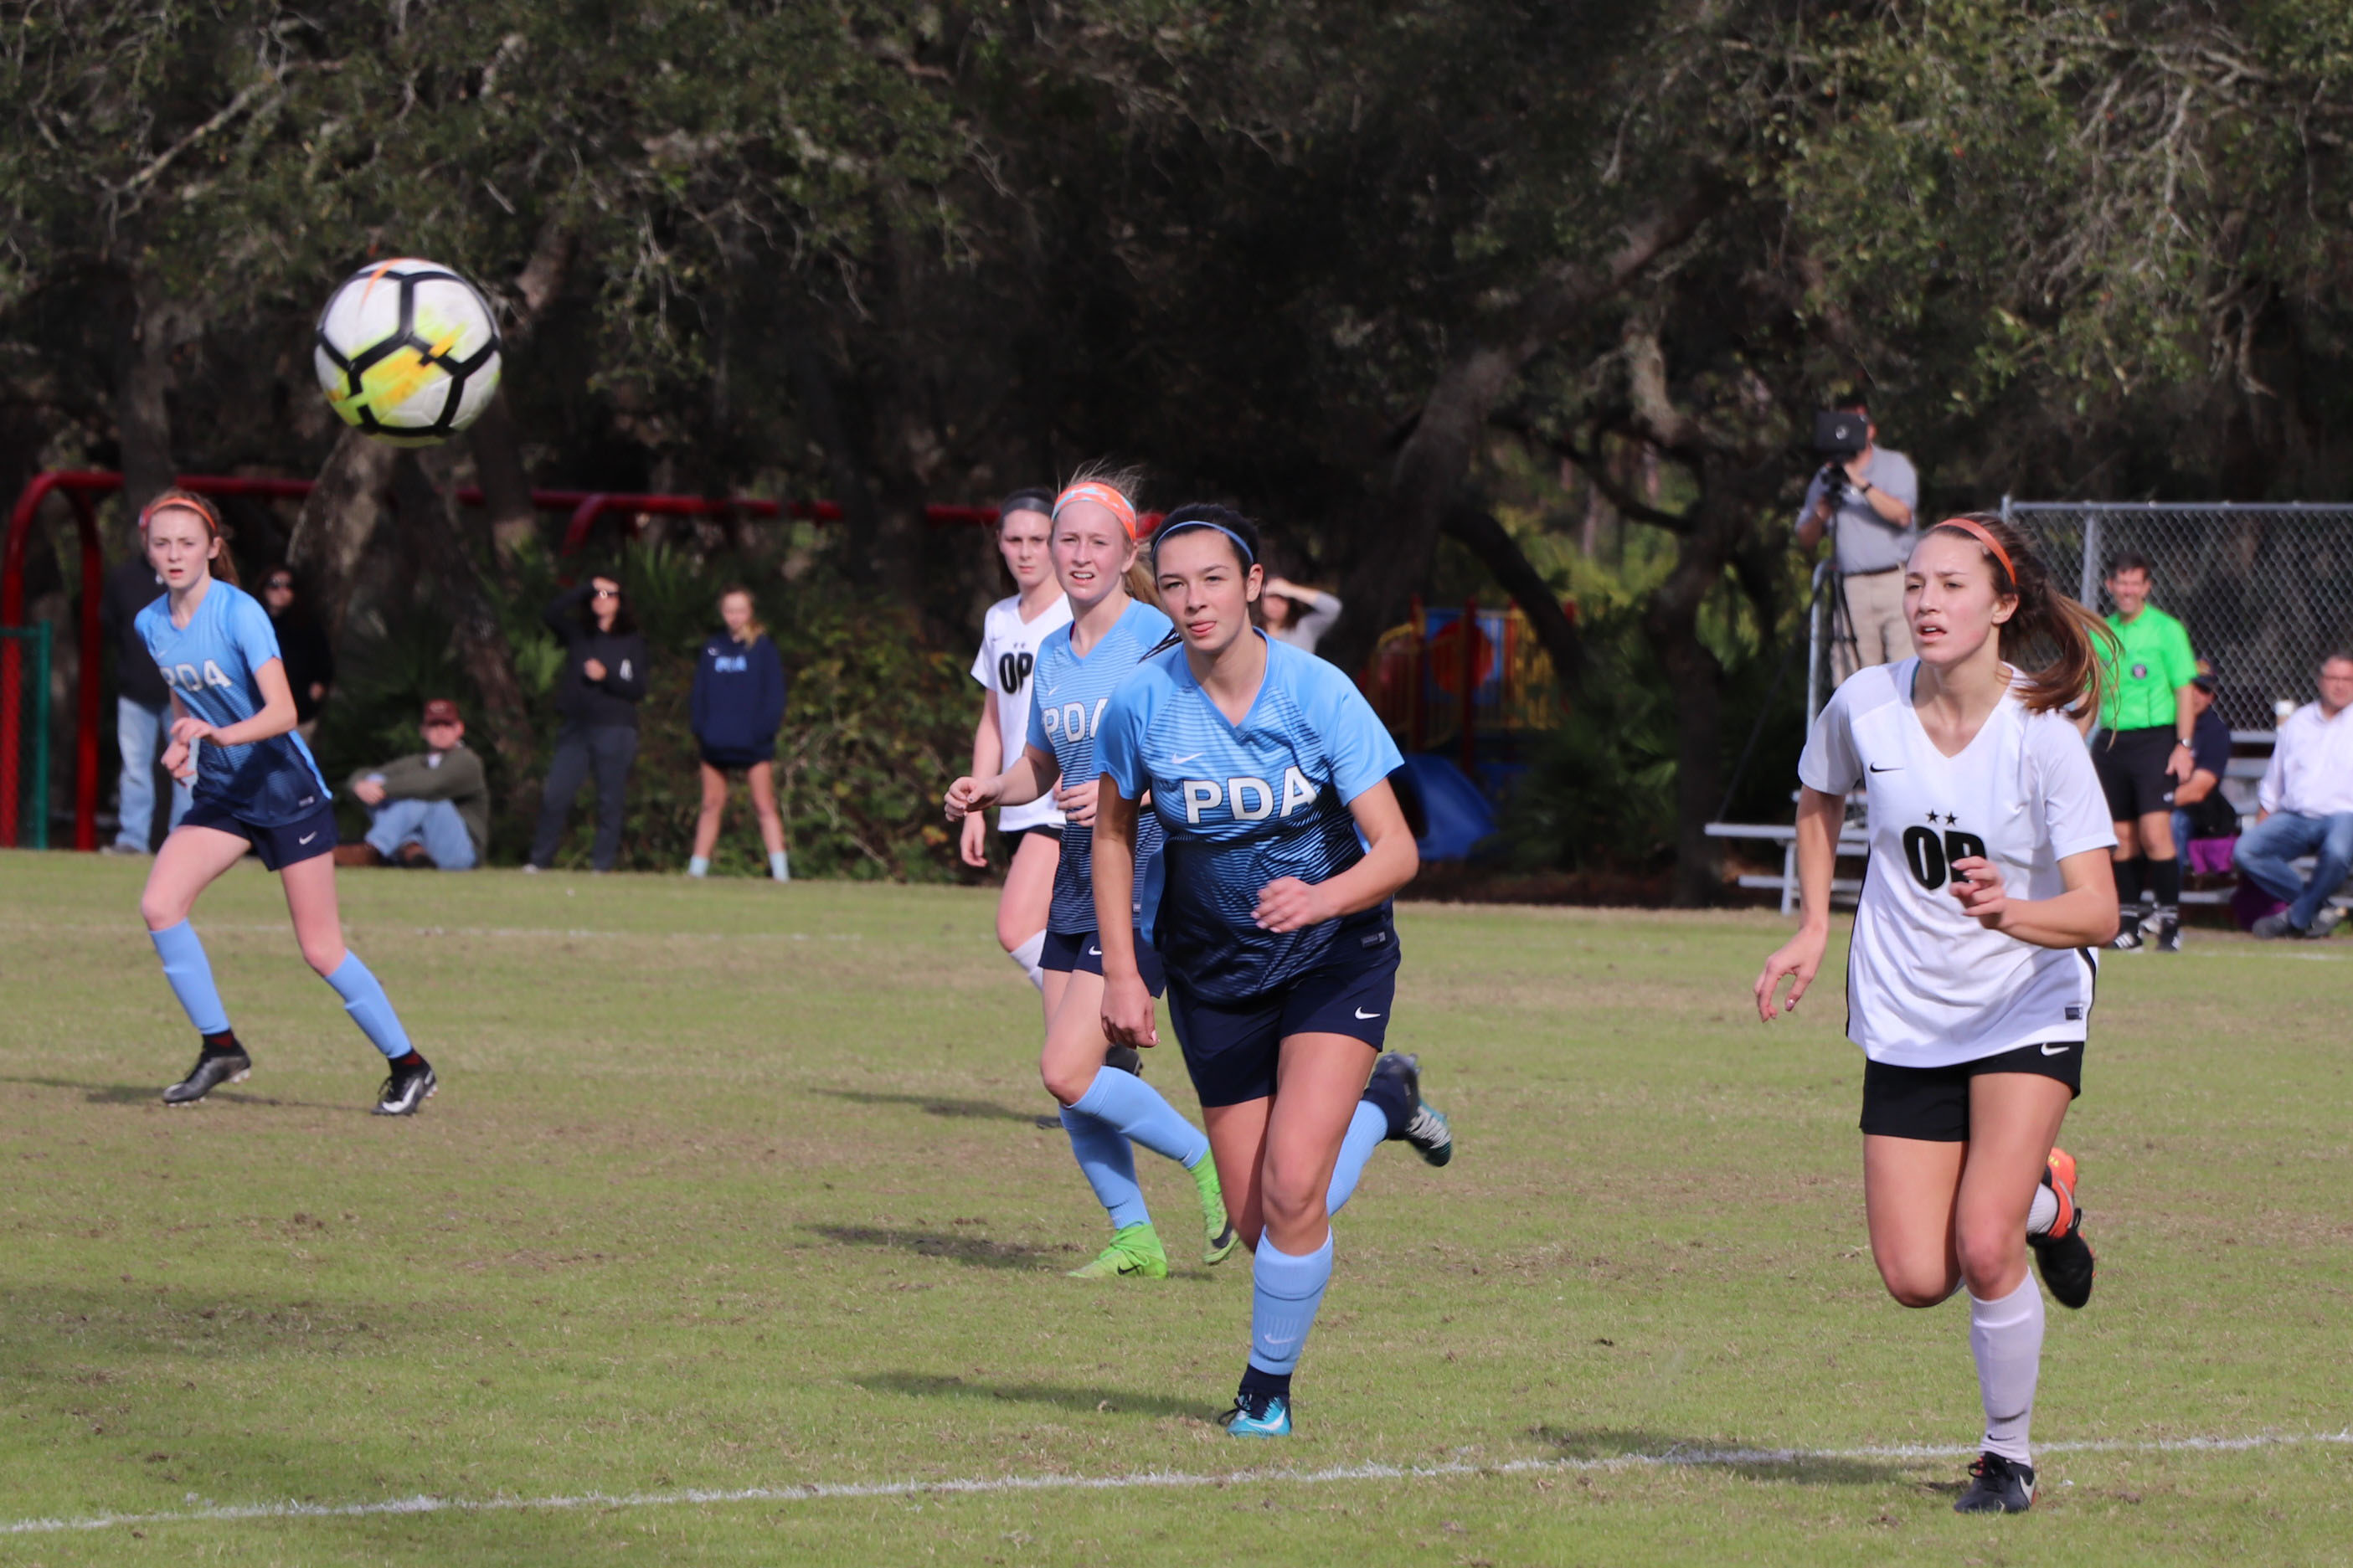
[(1864, 541)]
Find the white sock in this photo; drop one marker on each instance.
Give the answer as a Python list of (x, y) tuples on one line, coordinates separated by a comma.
[(778, 868), (698, 865), (1025, 958), (2006, 1338), (2045, 1214)]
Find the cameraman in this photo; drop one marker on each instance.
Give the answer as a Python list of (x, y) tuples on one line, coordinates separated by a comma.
[(1866, 502)]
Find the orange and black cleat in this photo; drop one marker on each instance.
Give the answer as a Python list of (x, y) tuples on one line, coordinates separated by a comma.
[(2066, 1257)]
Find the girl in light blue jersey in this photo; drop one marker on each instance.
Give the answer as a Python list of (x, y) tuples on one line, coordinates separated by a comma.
[(1104, 1106), (256, 791), (1270, 773)]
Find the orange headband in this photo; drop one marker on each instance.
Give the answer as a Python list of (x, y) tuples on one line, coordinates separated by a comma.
[(188, 502), (1103, 496), (1978, 531)]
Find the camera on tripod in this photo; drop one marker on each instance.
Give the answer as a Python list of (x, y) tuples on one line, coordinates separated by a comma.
[(1840, 435)]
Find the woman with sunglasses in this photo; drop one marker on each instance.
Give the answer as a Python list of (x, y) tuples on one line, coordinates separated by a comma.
[(256, 791), (309, 661), (604, 681)]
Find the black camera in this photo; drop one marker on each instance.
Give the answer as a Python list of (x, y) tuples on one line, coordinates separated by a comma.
[(1842, 433)]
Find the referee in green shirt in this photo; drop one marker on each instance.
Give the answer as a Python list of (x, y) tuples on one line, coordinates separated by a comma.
[(2143, 751)]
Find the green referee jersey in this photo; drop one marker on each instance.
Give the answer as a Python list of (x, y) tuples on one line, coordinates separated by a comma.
[(2153, 662)]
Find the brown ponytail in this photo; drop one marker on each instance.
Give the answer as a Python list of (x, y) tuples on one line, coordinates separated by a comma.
[(222, 567), (2063, 648)]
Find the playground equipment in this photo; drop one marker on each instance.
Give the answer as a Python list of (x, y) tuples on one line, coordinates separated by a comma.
[(24, 801)]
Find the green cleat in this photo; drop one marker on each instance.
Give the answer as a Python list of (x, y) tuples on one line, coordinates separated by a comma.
[(1218, 1237), (1135, 1253)]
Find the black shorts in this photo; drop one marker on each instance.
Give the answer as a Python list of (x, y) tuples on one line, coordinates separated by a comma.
[(728, 759), (286, 844), (1012, 840), (1231, 1048), (2131, 766), (1082, 954), (1933, 1103)]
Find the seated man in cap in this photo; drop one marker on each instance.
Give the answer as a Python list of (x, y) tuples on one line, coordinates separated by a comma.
[(430, 809), (2203, 818)]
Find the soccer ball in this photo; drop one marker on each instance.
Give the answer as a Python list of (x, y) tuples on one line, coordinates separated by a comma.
[(408, 350)]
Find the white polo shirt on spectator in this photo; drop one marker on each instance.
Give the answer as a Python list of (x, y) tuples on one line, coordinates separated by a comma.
[(2311, 771)]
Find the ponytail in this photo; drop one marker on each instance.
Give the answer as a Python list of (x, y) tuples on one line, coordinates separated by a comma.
[(222, 567), (2075, 645)]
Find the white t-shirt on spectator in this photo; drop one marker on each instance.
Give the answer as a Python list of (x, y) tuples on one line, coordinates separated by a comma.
[(1927, 984), (2311, 771), (1008, 648)]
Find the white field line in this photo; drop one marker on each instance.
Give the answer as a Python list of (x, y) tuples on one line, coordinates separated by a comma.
[(280, 927), (828, 1492)]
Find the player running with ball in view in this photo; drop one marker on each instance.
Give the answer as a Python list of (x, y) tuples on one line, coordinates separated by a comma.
[(1263, 764), (256, 788), (1104, 1106), (1970, 973)]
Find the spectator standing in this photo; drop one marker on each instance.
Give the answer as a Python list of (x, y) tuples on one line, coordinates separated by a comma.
[(2200, 810), (738, 706), (2144, 755), (1872, 529), (2307, 809), (1297, 616), (604, 681), (301, 646), (143, 706), (430, 809)]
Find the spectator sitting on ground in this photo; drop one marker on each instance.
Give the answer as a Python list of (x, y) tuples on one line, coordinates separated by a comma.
[(1297, 616), (301, 648), (430, 809), (2307, 809), (2201, 812)]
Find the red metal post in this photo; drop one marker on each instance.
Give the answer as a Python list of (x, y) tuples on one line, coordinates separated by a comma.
[(1418, 721), (1471, 687), (87, 686)]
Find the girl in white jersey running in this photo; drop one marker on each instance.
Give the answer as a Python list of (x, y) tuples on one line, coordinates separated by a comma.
[(1970, 973), (1011, 634)]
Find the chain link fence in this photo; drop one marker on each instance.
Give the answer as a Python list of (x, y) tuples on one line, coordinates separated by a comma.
[(2266, 590)]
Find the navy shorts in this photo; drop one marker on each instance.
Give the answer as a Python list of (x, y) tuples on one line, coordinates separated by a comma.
[(729, 760), (1932, 1104), (286, 844), (1231, 1048), (1012, 841), (1082, 954)]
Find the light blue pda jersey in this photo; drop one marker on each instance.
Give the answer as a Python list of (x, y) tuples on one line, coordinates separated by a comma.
[(1247, 804), (1068, 695), (210, 666)]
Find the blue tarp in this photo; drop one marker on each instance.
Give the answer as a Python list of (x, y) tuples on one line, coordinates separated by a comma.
[(1451, 813)]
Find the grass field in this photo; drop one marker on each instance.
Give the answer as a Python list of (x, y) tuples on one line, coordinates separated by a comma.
[(732, 1188)]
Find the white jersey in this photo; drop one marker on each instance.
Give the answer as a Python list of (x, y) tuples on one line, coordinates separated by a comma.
[(1009, 649), (1927, 985)]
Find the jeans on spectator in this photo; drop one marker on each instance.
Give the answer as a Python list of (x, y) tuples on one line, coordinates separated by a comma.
[(140, 733), (2267, 851), (608, 750), (432, 823)]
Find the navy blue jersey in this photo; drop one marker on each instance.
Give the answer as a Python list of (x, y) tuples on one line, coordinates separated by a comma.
[(1245, 804), (210, 664), (1067, 697)]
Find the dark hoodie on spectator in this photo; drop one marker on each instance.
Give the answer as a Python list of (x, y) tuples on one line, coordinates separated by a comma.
[(739, 696), (594, 703)]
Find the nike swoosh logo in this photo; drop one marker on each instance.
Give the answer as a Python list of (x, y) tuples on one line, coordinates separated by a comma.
[(1131, 1269), (308, 837), (1362, 1013), (1877, 768), (1094, 953), (2056, 1050), (1053, 689), (1180, 761)]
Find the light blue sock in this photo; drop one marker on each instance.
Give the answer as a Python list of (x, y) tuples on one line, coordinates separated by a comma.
[(364, 1000), (1286, 1289), (1110, 1166), (191, 974), (780, 868), (1126, 1102), (1368, 1129), (698, 865)]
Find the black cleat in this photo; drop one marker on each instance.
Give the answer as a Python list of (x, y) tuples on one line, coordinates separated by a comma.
[(406, 1090), (1126, 1058), (1997, 1486), (2129, 932), (2168, 937), (2065, 1258), (1426, 1127), (213, 1068)]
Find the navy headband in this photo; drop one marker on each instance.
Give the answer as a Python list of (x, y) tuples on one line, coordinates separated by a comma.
[(1249, 557)]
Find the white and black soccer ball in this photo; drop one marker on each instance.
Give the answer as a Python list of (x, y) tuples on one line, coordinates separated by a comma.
[(408, 350)]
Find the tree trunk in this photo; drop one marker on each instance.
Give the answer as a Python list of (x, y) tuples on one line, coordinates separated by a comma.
[(142, 381), (1477, 529), (424, 485), (339, 522), (1670, 623), (821, 412), (497, 448)]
